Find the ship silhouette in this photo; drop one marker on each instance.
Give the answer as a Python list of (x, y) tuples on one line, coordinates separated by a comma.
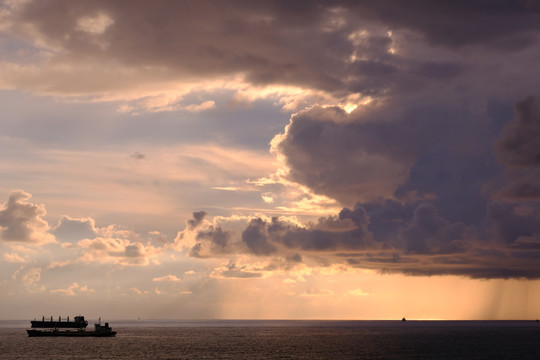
[(77, 328)]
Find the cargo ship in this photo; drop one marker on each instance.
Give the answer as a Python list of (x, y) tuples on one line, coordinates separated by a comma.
[(75, 328)]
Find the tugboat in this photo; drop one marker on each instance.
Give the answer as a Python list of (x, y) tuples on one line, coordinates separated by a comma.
[(51, 328)]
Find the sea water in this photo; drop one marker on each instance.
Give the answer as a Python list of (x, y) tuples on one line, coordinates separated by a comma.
[(240, 339)]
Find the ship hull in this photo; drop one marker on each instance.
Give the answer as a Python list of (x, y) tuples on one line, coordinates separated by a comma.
[(59, 324), (67, 333)]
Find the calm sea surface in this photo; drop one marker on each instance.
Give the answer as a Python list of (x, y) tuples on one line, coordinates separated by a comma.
[(241, 339)]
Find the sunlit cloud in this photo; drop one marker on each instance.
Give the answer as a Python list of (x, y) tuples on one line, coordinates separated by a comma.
[(97, 24), (72, 290), (13, 258), (117, 250), (359, 292), (22, 221), (172, 278)]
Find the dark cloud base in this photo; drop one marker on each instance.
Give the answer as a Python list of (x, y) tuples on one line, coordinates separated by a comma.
[(446, 217)]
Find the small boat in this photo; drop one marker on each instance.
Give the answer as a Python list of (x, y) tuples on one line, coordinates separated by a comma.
[(78, 326), (403, 320)]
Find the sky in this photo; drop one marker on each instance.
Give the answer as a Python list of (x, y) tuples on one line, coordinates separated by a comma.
[(270, 159)]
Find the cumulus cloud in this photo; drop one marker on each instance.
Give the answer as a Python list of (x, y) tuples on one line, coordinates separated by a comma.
[(118, 246), (202, 238), (198, 217), (255, 236), (376, 152), (22, 221), (391, 236)]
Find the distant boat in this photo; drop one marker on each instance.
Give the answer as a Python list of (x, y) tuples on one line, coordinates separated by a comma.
[(403, 320), (51, 328)]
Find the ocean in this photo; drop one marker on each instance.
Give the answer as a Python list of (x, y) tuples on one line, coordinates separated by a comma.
[(241, 339)]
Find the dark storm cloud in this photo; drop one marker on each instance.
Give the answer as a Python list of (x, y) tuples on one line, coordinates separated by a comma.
[(519, 144), (347, 231), (501, 24), (420, 241), (457, 182), (421, 232), (524, 188), (430, 233), (440, 216), (519, 149), (513, 220), (381, 153), (340, 47)]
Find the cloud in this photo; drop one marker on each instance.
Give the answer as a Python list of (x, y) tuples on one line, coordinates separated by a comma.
[(72, 290), (430, 233), (117, 246), (318, 292), (172, 278), (209, 104), (512, 221), (73, 230), (373, 152), (255, 236), (22, 221), (138, 156), (518, 148), (139, 292), (30, 278), (405, 140), (96, 25), (202, 238), (198, 217), (334, 49), (359, 292), (217, 238), (509, 26), (519, 143), (13, 258), (394, 237), (232, 270)]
